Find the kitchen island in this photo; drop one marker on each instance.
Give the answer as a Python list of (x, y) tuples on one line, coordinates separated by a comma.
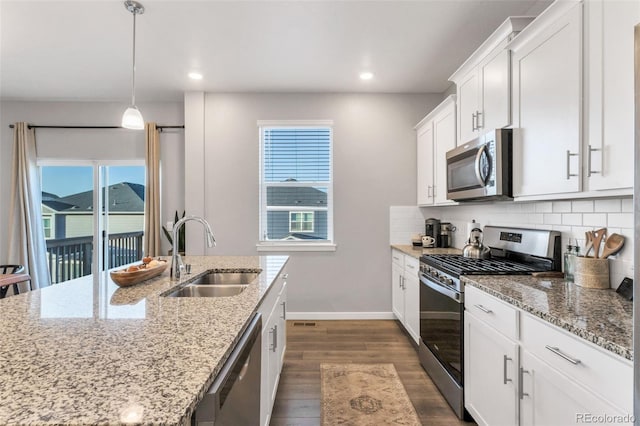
[(89, 352)]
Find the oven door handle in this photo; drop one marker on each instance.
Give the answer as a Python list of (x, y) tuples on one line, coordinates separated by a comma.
[(451, 294)]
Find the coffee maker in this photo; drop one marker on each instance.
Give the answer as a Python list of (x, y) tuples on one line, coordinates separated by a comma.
[(432, 229)]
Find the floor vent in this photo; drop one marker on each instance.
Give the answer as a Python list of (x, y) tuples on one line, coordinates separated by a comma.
[(304, 324)]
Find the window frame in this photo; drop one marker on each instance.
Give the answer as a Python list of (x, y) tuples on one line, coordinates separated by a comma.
[(289, 245), (302, 221)]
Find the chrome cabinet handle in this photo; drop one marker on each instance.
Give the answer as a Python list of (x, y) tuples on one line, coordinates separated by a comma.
[(569, 155), (429, 191), (274, 340), (284, 310), (589, 171), (561, 354), (483, 309), (521, 393), (478, 115), (504, 369), (474, 118), (402, 278), (434, 191)]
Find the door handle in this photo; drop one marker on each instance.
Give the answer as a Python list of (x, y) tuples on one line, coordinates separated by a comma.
[(589, 171), (483, 309), (481, 180), (521, 393), (284, 310), (569, 155), (478, 115), (474, 119), (561, 354), (429, 191), (504, 369), (274, 338)]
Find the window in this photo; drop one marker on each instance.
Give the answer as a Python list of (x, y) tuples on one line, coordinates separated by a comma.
[(301, 222), (296, 184), (46, 224)]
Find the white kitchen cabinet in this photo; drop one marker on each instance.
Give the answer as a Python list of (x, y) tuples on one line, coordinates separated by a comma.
[(424, 153), (405, 292), (483, 84), (520, 369), (547, 102), (436, 135), (609, 106), (273, 310), (490, 374)]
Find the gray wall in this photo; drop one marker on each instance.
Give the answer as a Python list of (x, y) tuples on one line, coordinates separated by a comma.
[(93, 144), (374, 168)]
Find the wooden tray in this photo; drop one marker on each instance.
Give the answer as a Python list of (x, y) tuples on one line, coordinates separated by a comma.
[(126, 279)]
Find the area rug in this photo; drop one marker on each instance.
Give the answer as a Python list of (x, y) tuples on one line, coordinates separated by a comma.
[(364, 394)]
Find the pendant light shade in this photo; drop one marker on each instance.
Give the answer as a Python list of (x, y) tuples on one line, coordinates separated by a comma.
[(132, 118)]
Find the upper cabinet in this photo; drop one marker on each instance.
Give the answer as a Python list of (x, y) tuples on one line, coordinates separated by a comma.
[(547, 102), (573, 101), (608, 93), (436, 134), (483, 84)]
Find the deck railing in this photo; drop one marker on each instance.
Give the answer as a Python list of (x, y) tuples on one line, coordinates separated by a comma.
[(70, 258)]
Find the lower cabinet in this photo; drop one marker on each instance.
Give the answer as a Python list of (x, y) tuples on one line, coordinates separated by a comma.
[(522, 370), (274, 341), (405, 292)]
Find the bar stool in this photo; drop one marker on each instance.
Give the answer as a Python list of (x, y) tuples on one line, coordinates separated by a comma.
[(13, 269)]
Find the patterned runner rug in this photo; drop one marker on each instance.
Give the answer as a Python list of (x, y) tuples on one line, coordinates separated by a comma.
[(364, 394)]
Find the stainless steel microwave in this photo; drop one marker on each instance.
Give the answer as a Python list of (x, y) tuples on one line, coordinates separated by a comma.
[(482, 168)]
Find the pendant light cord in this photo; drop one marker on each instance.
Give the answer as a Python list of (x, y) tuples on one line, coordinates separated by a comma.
[(133, 80)]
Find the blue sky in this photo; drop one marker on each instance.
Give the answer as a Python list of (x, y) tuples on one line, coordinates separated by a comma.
[(63, 180)]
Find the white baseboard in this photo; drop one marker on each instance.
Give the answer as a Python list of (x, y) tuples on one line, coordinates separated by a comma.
[(340, 316)]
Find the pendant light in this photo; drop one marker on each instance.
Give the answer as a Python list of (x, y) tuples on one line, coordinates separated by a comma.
[(132, 119)]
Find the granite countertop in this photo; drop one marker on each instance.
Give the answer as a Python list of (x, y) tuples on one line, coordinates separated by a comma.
[(600, 316), (419, 251), (89, 352)]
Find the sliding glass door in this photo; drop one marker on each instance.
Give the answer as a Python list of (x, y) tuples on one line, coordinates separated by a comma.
[(93, 215)]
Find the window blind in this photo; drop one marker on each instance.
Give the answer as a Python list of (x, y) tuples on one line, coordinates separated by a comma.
[(300, 154)]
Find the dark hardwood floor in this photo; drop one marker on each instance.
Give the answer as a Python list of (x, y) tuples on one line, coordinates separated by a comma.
[(310, 343)]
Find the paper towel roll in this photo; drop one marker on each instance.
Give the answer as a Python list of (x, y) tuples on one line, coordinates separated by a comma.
[(471, 226)]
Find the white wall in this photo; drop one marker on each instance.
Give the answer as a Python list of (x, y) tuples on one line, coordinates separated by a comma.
[(374, 168), (94, 143)]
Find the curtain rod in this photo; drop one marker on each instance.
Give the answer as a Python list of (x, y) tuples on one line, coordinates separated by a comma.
[(33, 126)]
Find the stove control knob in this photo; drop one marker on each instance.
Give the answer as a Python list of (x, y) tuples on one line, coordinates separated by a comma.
[(434, 273), (449, 281)]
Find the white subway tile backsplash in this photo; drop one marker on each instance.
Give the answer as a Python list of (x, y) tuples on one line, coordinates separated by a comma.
[(627, 205), (596, 220), (552, 219), (607, 206), (620, 220), (544, 207), (562, 206), (535, 218), (574, 219), (582, 206)]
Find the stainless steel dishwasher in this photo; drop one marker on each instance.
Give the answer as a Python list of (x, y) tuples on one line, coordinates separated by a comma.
[(234, 397)]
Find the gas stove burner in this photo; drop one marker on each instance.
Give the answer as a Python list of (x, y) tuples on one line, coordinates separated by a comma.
[(459, 265)]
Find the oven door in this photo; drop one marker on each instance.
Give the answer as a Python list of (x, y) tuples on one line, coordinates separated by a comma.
[(441, 313)]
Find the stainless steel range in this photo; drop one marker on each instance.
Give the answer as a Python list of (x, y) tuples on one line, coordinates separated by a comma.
[(514, 251)]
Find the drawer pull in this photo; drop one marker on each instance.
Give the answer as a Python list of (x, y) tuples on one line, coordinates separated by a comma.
[(483, 309), (504, 365), (521, 393), (558, 352)]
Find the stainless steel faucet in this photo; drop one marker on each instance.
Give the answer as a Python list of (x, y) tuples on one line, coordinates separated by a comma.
[(176, 260)]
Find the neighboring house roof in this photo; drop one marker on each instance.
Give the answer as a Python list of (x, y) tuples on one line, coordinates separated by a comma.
[(299, 236), (123, 197), (296, 196)]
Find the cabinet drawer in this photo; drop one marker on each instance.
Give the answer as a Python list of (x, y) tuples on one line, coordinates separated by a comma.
[(397, 257), (411, 265), (499, 315), (605, 374)]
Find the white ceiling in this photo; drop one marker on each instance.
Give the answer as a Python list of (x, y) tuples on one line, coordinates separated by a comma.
[(81, 50)]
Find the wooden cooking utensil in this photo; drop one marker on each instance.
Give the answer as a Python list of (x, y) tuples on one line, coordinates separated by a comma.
[(589, 242), (597, 239), (613, 245)]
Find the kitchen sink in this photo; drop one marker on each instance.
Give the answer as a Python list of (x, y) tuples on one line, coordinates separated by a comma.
[(217, 278), (207, 290)]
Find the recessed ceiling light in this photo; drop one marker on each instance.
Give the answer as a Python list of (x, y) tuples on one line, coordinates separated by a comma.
[(366, 75), (195, 76)]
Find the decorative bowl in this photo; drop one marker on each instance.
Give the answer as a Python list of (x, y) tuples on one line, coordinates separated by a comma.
[(125, 278)]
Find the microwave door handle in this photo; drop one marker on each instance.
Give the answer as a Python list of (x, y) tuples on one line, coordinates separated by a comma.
[(481, 181)]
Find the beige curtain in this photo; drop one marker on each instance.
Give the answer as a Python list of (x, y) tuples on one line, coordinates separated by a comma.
[(26, 233), (152, 191)]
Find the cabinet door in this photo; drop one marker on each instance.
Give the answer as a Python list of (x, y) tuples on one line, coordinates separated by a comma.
[(548, 99), (467, 101), (490, 374), (444, 139), (425, 164), (274, 333), (268, 361), (549, 398), (412, 304), (282, 321), (397, 291), (609, 98), (495, 92)]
